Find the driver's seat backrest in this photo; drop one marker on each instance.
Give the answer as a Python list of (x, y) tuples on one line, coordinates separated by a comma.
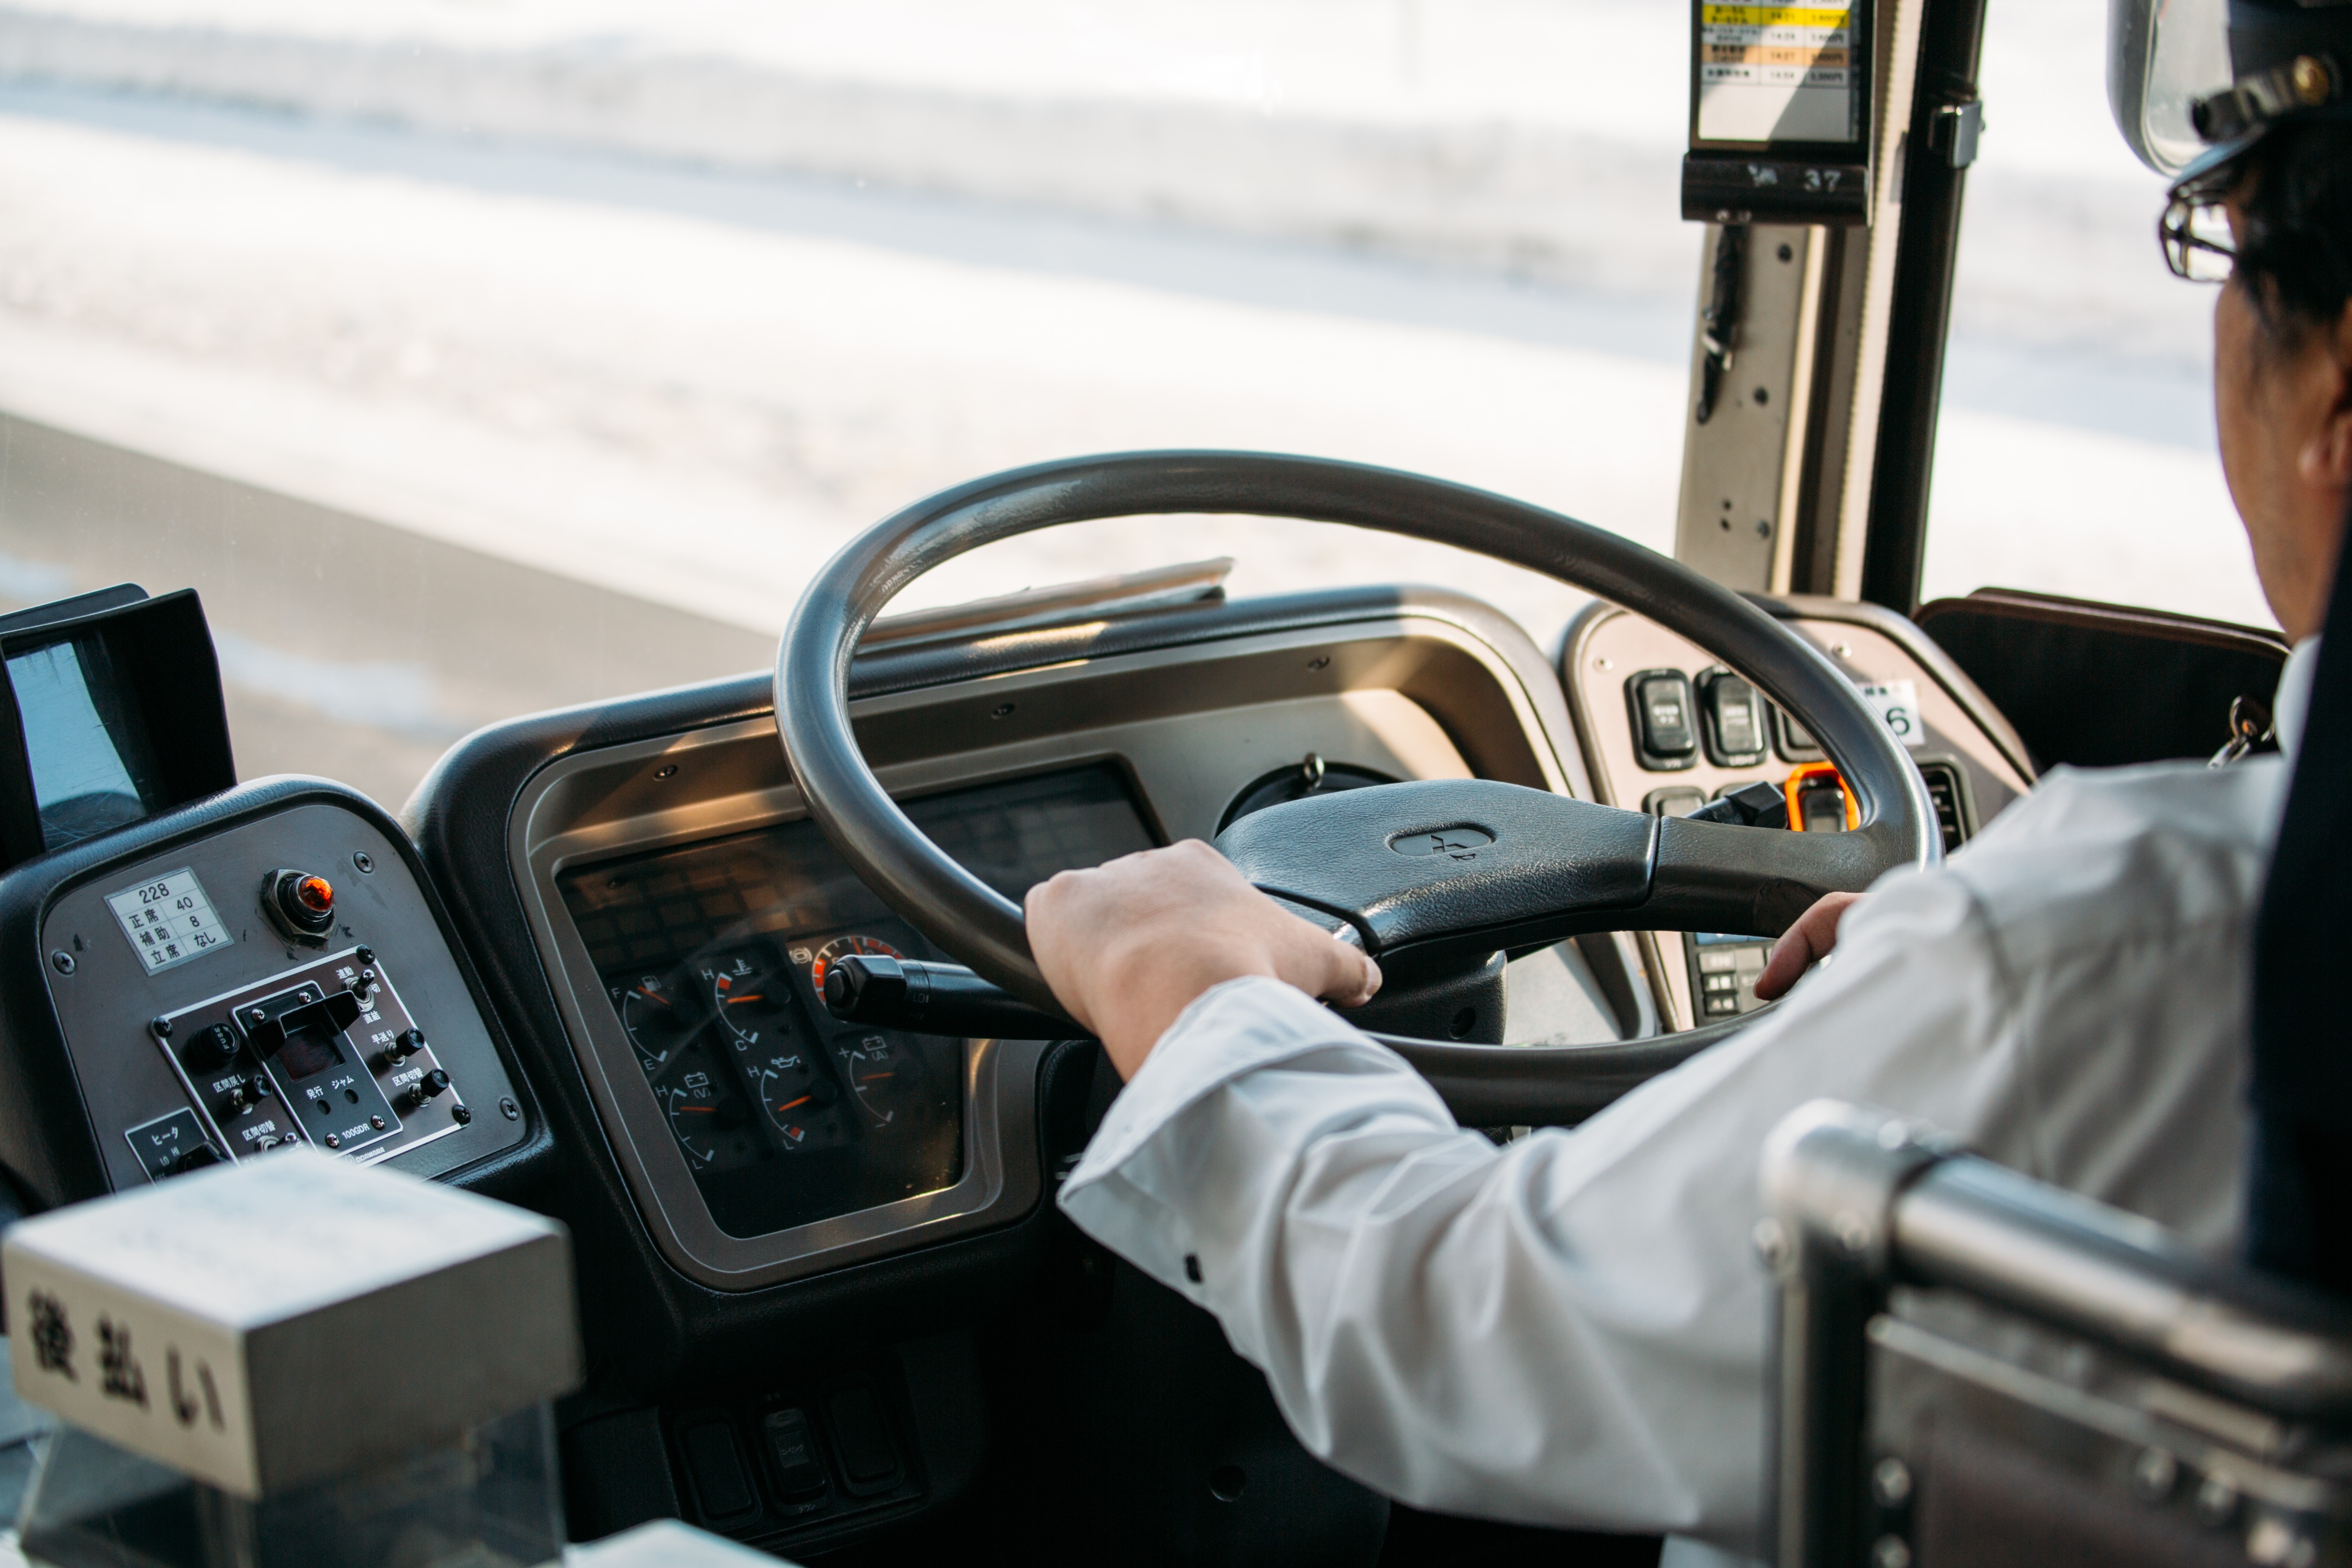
[(2299, 1219), (1978, 1370)]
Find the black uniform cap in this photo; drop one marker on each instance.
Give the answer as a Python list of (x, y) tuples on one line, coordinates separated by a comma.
[(2289, 61)]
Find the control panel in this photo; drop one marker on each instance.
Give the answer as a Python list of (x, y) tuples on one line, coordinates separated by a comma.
[(282, 979), (1669, 730), (326, 1054)]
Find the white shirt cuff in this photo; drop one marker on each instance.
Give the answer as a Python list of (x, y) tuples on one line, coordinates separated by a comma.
[(1228, 1031)]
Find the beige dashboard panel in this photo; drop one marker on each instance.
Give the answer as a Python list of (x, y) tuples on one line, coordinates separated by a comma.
[(1607, 646)]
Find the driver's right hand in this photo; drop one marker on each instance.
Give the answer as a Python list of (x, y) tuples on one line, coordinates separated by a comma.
[(1803, 944), (1128, 945)]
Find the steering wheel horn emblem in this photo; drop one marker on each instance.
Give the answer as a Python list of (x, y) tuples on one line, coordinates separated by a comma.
[(1461, 843)]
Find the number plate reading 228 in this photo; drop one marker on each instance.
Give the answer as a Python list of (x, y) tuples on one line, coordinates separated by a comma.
[(168, 919)]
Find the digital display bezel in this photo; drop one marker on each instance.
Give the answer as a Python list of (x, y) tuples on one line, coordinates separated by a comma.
[(1861, 28), (1786, 180)]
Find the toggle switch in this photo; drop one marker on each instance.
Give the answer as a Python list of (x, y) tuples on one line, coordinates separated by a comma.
[(408, 1043), (425, 1089), (249, 1093)]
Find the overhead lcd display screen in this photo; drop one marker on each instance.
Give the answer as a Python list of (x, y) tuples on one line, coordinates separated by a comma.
[(1776, 73)]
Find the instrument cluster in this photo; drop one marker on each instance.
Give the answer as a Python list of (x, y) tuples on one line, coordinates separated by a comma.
[(713, 956)]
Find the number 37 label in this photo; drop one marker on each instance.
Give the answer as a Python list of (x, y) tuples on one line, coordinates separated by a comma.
[(1896, 703)]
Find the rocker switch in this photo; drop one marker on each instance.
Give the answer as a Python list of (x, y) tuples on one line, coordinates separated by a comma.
[(797, 1467), (1665, 730), (1735, 722)]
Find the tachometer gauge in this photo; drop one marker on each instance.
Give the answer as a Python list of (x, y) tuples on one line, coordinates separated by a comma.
[(883, 1074), (842, 947), (706, 1111), (659, 1018), (747, 997)]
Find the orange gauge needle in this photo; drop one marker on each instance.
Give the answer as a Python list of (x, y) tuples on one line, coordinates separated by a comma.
[(874, 1076), (653, 996), (698, 1109), (739, 1001), (803, 1099)]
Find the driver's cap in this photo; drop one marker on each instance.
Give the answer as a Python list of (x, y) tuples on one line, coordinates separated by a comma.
[(2289, 60)]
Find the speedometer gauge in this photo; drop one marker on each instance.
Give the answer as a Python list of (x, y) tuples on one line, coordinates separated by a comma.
[(842, 947)]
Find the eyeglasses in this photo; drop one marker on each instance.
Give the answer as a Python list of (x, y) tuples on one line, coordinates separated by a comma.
[(2195, 227), (2195, 234)]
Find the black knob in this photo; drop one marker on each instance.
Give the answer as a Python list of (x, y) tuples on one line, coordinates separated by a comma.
[(196, 1159), (426, 1088), (210, 1048), (406, 1044)]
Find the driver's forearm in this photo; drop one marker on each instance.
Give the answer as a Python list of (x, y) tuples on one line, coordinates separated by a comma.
[(1424, 1310)]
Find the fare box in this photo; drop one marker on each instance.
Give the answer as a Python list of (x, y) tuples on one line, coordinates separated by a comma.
[(289, 1319)]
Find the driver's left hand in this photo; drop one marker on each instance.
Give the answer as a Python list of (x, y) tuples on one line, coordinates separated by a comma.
[(1128, 945)]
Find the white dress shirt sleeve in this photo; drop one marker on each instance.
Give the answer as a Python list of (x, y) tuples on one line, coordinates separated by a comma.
[(1566, 1331)]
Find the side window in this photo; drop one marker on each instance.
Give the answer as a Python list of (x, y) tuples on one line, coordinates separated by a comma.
[(2075, 452)]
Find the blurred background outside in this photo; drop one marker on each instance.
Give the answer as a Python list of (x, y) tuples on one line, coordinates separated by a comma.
[(477, 356)]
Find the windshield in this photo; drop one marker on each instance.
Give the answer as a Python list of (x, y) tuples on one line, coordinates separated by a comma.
[(472, 359)]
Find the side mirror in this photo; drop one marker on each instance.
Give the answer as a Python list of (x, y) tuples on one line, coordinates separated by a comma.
[(2162, 57)]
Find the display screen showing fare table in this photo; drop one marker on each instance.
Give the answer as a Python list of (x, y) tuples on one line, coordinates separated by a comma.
[(168, 919), (1776, 73)]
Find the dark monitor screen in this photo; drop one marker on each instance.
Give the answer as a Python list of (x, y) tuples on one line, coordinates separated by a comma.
[(110, 712), (92, 760)]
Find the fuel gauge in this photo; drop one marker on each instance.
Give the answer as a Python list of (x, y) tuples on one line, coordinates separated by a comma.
[(659, 1019)]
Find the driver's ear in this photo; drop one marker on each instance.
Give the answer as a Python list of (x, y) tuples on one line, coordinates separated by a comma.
[(2326, 458)]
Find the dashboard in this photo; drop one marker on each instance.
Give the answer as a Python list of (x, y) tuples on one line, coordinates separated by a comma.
[(584, 971), (686, 907)]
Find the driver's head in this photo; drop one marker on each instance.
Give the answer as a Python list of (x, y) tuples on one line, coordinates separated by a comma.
[(2269, 208)]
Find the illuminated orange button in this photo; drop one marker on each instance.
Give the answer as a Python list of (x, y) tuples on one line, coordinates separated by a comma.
[(315, 894)]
